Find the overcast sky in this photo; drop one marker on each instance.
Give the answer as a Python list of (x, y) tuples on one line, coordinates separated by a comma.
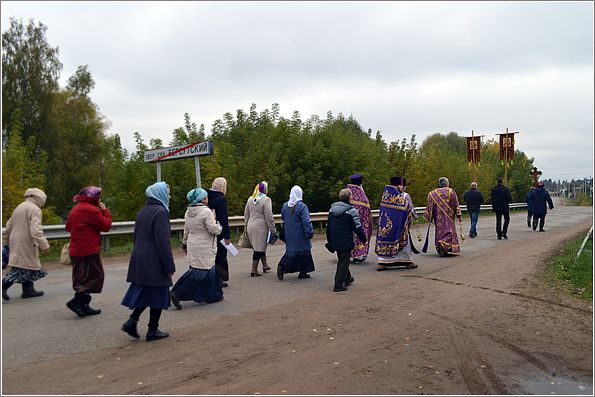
[(399, 67)]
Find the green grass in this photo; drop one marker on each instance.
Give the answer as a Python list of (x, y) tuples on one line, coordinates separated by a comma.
[(574, 275)]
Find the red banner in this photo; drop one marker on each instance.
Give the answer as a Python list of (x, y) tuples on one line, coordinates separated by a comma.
[(506, 146), (473, 149)]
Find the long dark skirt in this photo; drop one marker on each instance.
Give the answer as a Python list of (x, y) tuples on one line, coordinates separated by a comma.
[(87, 274), (20, 275), (297, 261), (199, 285), (139, 296)]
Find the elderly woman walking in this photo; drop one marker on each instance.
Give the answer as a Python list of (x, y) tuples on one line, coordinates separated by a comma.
[(151, 264), (201, 282), (259, 221), (86, 221), (298, 233), (24, 237)]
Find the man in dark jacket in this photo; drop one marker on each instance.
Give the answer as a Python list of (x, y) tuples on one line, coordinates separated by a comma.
[(539, 198), (343, 221), (500, 199), (218, 203), (474, 199), (529, 205)]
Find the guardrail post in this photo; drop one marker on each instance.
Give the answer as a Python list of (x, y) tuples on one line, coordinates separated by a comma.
[(105, 243)]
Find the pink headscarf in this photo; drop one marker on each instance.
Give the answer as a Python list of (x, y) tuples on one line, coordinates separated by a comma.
[(88, 194)]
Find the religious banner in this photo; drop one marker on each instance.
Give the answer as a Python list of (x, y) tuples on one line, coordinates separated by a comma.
[(473, 149), (506, 146)]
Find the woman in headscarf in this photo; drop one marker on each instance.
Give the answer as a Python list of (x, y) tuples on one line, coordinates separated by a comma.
[(298, 233), (86, 221), (218, 204), (201, 282), (24, 237), (258, 222), (151, 264)]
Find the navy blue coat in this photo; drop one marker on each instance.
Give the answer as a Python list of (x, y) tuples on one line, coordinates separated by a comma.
[(474, 199), (529, 201), (539, 198), (298, 227), (152, 260), (343, 221)]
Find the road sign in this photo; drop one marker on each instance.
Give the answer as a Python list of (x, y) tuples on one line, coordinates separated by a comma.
[(178, 152)]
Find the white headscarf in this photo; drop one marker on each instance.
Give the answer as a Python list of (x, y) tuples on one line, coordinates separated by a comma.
[(295, 196)]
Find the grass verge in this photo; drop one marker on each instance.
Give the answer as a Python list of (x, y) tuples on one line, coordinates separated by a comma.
[(574, 275)]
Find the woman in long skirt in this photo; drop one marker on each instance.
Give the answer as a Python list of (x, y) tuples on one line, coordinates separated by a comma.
[(298, 234), (24, 238), (151, 264), (86, 221), (200, 283), (259, 221)]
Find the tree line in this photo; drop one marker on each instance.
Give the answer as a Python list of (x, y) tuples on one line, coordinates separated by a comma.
[(55, 138)]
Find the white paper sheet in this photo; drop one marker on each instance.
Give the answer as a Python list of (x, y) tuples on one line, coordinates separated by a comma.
[(230, 247)]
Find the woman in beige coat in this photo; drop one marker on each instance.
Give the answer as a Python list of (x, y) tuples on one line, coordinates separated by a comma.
[(258, 221), (201, 282), (24, 237)]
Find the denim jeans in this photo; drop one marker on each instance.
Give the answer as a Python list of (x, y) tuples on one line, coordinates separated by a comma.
[(474, 215)]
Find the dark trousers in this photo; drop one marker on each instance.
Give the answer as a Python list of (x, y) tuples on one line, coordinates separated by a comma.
[(221, 265), (342, 275), (529, 216), (502, 229), (154, 316), (540, 219)]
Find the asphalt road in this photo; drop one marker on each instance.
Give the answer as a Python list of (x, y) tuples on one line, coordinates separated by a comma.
[(43, 328)]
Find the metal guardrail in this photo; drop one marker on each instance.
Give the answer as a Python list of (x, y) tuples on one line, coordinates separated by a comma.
[(56, 232)]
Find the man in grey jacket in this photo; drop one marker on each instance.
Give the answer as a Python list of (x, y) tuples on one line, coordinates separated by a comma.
[(343, 221)]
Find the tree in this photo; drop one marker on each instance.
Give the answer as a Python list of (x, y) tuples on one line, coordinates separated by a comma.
[(30, 72)]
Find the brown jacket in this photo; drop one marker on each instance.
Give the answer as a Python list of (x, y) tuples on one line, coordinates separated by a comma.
[(24, 234)]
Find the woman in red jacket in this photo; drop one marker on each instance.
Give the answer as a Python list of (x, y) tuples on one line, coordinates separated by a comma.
[(86, 221)]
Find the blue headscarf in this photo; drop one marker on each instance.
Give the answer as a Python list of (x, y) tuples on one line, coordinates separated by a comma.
[(158, 191), (197, 195)]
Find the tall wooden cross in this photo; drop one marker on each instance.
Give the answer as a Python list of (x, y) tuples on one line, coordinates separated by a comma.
[(535, 174)]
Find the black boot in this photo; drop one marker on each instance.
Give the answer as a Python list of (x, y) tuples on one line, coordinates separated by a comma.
[(29, 290), (87, 309), (5, 286), (77, 305), (130, 328)]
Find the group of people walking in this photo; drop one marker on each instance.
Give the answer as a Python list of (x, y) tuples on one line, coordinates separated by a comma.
[(206, 240)]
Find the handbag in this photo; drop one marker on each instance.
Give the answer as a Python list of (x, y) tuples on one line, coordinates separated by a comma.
[(65, 254), (244, 241), (282, 232)]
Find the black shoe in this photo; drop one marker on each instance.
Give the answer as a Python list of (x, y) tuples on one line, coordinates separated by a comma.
[(89, 311), (499, 237), (357, 260), (130, 328), (29, 291), (528, 224), (223, 285), (340, 288), (472, 236), (280, 273), (441, 251), (351, 281), (542, 230), (505, 237), (154, 335), (303, 275), (175, 301), (5, 286), (411, 266), (76, 307)]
